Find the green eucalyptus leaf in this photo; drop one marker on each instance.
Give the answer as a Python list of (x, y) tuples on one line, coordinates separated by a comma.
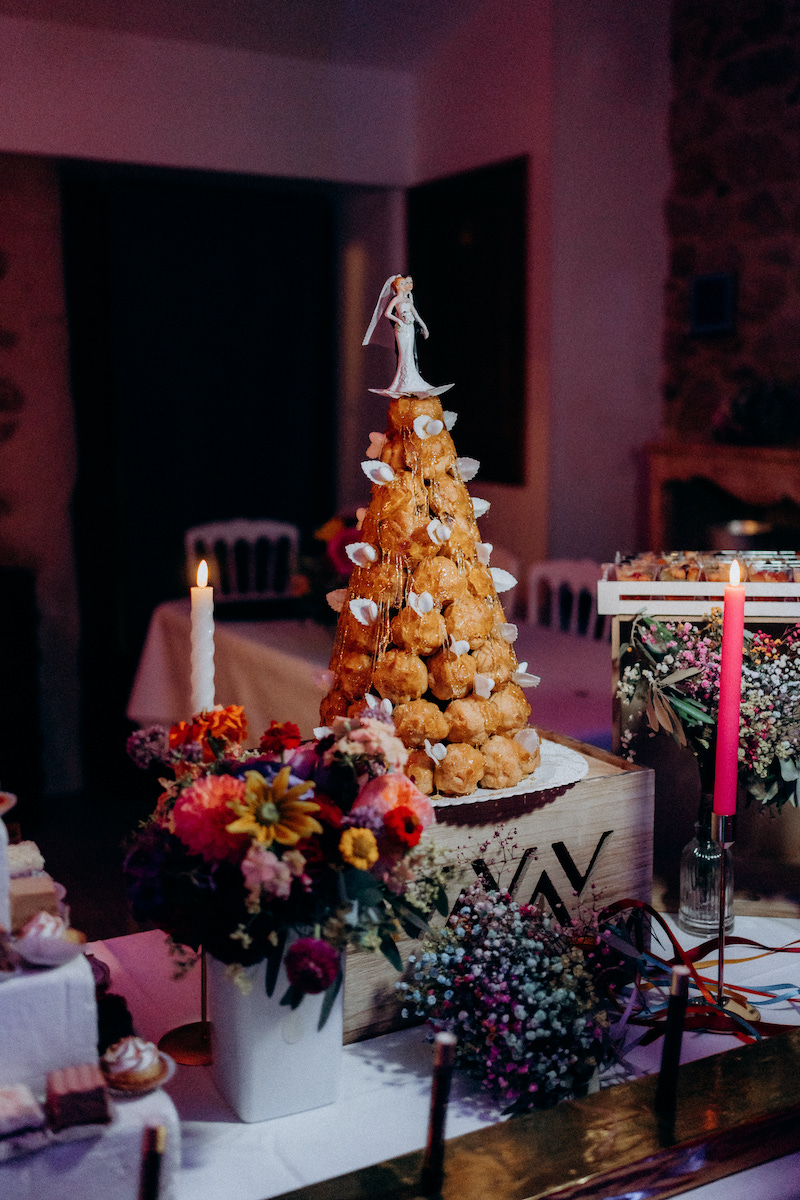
[(363, 887), (440, 901), (389, 950), (293, 996), (330, 998), (409, 916), (274, 963)]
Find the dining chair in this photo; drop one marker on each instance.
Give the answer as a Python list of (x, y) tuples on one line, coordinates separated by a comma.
[(562, 593), (247, 560)]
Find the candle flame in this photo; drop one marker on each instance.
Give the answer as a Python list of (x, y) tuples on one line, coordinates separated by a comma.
[(735, 572), (202, 574)]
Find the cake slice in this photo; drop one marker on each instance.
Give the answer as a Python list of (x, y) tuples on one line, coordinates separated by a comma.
[(29, 895), (77, 1096), (22, 1121), (19, 1111)]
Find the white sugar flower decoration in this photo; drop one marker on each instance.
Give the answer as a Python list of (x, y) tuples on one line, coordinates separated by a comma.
[(523, 678), (508, 632), (321, 731), (378, 472), (458, 647), (378, 705), (438, 532), (480, 507), (421, 604), (468, 468), (361, 553), (376, 443), (450, 419), (324, 679), (437, 752), (528, 738), (336, 599), (484, 552), (425, 426), (364, 611), (503, 580), (483, 686)]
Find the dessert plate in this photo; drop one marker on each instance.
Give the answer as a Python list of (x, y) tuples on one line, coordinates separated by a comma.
[(560, 766), (131, 1093)]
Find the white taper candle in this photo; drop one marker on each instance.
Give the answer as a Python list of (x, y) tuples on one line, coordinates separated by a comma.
[(202, 642)]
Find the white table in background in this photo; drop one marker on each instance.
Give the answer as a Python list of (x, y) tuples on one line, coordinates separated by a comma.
[(272, 669)]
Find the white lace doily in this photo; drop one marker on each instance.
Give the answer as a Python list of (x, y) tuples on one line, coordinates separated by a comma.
[(559, 767)]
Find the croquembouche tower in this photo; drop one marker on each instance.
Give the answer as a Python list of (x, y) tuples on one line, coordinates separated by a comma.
[(421, 628)]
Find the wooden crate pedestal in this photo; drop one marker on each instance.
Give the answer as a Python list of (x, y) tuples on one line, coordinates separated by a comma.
[(586, 844)]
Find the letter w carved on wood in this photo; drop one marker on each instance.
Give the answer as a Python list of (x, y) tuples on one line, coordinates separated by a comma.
[(545, 886)]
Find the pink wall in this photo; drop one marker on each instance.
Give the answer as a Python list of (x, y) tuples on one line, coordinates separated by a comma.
[(485, 97), (87, 93), (611, 89), (582, 87)]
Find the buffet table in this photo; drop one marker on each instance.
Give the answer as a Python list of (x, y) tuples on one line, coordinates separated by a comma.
[(273, 669), (382, 1107)]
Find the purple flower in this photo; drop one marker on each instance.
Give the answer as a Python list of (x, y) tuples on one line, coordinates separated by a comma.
[(311, 965), (148, 746)]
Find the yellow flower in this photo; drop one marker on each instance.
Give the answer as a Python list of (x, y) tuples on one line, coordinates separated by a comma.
[(274, 812), (359, 848)]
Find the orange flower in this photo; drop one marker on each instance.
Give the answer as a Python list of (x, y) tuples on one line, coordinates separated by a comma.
[(228, 724), (183, 733)]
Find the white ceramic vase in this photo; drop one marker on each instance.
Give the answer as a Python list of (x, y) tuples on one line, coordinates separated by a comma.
[(269, 1061)]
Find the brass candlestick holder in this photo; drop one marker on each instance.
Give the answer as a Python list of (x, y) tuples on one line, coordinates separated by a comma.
[(190, 1045)]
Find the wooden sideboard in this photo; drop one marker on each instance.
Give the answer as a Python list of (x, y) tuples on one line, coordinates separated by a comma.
[(757, 475)]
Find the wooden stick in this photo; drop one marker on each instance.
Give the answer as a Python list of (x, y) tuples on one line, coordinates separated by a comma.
[(667, 1089), (444, 1054), (154, 1144)]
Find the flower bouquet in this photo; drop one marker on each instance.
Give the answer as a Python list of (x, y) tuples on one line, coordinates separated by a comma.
[(669, 682), (524, 996), (319, 844), (328, 568)]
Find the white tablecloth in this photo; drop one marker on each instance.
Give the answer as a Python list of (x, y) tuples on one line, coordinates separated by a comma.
[(383, 1103), (103, 1167), (272, 668)]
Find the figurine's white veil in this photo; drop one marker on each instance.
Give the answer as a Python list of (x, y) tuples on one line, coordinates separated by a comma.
[(382, 332)]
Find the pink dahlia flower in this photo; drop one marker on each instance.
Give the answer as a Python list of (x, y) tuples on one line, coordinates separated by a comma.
[(201, 814), (387, 792)]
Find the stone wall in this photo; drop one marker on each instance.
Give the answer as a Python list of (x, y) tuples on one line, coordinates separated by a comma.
[(735, 199)]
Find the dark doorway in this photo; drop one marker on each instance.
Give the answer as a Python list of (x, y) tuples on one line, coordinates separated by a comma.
[(467, 238), (202, 325)]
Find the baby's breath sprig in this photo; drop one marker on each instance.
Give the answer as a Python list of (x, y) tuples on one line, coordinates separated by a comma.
[(520, 993), (669, 681)]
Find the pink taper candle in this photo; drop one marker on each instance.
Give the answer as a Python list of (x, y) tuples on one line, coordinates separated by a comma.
[(730, 694)]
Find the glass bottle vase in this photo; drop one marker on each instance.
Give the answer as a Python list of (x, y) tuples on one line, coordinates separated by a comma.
[(699, 885)]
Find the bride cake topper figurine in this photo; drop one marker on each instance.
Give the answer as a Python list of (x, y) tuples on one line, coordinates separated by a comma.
[(396, 304)]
